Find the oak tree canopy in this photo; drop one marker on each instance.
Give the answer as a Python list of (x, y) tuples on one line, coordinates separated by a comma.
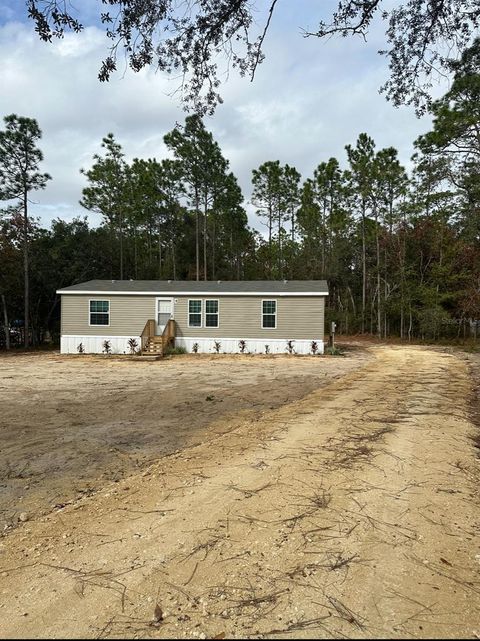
[(197, 40)]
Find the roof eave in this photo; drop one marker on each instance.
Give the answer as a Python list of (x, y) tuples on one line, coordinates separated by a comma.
[(184, 293)]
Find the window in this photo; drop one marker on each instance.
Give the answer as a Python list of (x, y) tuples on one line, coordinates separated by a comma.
[(99, 312), (211, 313), (269, 314), (194, 313)]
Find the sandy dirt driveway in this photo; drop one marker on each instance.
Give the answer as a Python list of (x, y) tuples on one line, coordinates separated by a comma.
[(349, 512), (69, 424)]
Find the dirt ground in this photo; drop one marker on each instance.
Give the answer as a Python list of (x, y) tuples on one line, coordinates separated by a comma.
[(69, 424), (241, 496)]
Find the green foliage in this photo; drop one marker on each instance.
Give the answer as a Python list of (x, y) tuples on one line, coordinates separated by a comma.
[(195, 348), (191, 39), (20, 158), (276, 196), (213, 195), (132, 345), (334, 351), (107, 347), (175, 351), (19, 175), (401, 254)]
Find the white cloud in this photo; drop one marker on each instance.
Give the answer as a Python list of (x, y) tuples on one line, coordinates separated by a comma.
[(308, 100)]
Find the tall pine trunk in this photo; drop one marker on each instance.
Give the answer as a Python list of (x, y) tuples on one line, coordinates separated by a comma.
[(197, 234), (270, 228), (214, 240), (364, 269), (379, 299), (6, 324), (120, 229), (26, 270), (160, 255), (205, 207)]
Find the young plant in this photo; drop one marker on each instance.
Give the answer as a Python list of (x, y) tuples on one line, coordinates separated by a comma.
[(132, 345), (314, 347), (267, 349), (107, 348), (290, 348), (334, 351), (195, 348), (80, 348), (216, 346), (242, 346), (174, 351)]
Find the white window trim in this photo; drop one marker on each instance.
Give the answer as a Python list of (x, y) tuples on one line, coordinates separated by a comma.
[(103, 300), (201, 314), (205, 313), (172, 312), (261, 313)]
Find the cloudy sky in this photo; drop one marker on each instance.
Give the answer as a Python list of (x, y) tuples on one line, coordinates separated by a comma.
[(309, 99)]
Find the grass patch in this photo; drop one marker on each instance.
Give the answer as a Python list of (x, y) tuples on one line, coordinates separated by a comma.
[(174, 351), (334, 351)]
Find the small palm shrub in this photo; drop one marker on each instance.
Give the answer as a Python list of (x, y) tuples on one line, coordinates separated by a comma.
[(216, 346), (290, 348), (195, 348), (242, 346), (314, 347), (80, 348), (107, 348), (132, 345), (267, 349)]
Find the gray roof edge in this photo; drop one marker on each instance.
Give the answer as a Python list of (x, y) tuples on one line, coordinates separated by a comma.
[(312, 287)]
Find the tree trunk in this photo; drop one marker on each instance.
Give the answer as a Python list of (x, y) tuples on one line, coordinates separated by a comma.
[(364, 269), (323, 239), (385, 292), (270, 228), (159, 255), (214, 240), (121, 246), (205, 240), (135, 251), (280, 257), (379, 299), (174, 263), (197, 234), (6, 324), (26, 271)]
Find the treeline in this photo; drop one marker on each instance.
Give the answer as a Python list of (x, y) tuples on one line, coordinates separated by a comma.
[(400, 251)]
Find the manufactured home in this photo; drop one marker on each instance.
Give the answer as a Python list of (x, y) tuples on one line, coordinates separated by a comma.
[(193, 314)]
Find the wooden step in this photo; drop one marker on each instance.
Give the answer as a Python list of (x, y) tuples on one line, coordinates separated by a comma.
[(154, 347)]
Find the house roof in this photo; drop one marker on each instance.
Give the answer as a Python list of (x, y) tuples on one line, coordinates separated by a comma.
[(196, 287)]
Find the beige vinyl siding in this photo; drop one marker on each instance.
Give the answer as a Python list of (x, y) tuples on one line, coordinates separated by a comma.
[(128, 315), (241, 317)]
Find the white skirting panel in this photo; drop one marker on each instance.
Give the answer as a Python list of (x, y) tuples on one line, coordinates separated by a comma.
[(253, 345), (94, 344)]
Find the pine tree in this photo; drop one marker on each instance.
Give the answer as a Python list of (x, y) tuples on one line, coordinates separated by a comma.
[(19, 175)]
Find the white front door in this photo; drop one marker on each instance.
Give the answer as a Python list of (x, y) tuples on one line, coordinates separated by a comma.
[(164, 313)]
